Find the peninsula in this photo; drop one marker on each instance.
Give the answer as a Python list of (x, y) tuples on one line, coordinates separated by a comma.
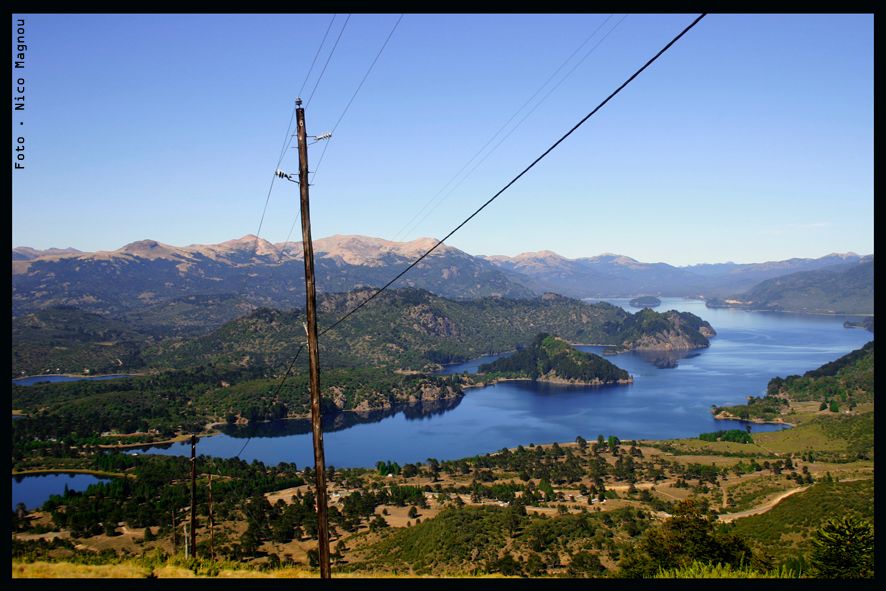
[(552, 359)]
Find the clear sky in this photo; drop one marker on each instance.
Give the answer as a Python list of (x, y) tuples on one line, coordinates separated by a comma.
[(750, 140)]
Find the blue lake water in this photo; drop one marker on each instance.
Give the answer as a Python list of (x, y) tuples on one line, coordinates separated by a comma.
[(33, 491), (31, 380), (671, 397)]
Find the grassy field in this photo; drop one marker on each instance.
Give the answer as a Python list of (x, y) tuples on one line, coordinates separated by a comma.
[(845, 436), (785, 530), (665, 472), (133, 570), (752, 492)]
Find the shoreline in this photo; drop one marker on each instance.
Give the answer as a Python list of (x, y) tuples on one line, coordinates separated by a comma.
[(79, 376), (176, 439), (726, 416), (49, 471), (557, 382), (797, 312)]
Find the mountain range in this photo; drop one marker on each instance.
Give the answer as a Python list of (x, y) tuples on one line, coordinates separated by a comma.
[(613, 275), (402, 328), (147, 273), (831, 290)]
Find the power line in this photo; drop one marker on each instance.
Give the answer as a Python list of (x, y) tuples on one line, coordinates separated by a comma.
[(334, 127), (503, 189), (517, 126), (277, 391), (409, 226), (328, 59), (353, 96), (316, 55), (287, 138), (271, 187)]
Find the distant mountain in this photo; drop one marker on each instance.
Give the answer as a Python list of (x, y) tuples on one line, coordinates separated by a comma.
[(842, 289), (25, 253), (616, 275), (146, 273), (604, 275)]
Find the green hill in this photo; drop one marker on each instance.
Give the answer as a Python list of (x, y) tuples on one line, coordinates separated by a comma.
[(645, 302), (411, 328), (824, 291), (65, 339), (785, 531), (505, 540), (837, 385), (552, 359)]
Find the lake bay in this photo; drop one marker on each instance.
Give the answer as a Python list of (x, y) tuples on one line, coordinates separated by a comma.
[(671, 397)]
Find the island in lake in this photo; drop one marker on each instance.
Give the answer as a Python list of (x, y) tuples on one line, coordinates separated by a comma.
[(645, 302), (552, 359), (866, 323)]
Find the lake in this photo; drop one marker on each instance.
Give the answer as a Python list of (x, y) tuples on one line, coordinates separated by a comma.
[(33, 491), (31, 380), (671, 397)]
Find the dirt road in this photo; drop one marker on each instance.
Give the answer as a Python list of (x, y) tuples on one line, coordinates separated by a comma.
[(761, 508)]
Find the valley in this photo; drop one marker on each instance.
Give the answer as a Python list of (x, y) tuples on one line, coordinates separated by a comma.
[(214, 364)]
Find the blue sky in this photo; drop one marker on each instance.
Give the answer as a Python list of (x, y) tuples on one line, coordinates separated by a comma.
[(750, 140)]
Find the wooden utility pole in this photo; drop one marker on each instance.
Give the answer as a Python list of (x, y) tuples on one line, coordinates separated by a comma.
[(211, 523), (313, 348), (192, 543)]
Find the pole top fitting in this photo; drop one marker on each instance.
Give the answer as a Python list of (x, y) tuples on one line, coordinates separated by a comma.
[(298, 101)]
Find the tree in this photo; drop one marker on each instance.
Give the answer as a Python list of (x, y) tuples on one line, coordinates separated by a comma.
[(581, 442), (413, 512), (535, 567), (507, 566), (434, 469), (843, 548), (377, 523), (585, 564), (690, 535)]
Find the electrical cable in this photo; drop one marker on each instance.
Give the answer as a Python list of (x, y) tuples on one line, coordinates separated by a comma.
[(412, 226), (353, 96), (516, 178), (328, 59), (409, 226), (581, 122)]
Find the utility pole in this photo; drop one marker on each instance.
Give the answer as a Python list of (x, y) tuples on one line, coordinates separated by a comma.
[(313, 348), (192, 544), (211, 523)]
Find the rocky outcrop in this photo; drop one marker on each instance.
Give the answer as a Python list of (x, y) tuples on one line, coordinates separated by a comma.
[(667, 331), (551, 359), (553, 378), (429, 322)]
